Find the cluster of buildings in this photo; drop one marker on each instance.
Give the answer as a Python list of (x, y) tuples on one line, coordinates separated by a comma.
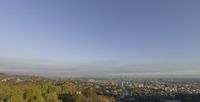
[(121, 89), (171, 86)]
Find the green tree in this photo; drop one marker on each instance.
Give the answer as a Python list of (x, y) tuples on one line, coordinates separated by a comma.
[(5, 92), (52, 97), (81, 98), (16, 98), (33, 95)]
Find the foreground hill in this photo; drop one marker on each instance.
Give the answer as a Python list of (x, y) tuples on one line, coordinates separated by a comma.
[(15, 88)]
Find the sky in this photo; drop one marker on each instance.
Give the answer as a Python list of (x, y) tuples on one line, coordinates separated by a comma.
[(100, 38)]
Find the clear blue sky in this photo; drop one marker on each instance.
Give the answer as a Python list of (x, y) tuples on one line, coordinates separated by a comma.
[(100, 37)]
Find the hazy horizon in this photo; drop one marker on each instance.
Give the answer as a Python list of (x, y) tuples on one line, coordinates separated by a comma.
[(91, 38)]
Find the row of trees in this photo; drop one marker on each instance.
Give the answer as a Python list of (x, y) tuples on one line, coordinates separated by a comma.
[(44, 92)]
